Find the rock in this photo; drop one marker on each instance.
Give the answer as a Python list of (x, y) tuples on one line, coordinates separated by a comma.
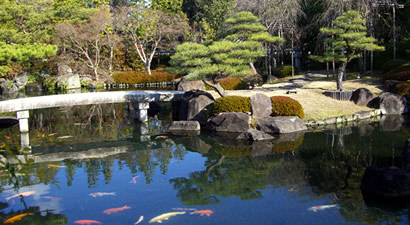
[(70, 82), (390, 84), (8, 121), (185, 85), (8, 87), (21, 80), (389, 103), (361, 96), (34, 87), (184, 126), (261, 105), (391, 122), (281, 124), (405, 157), (64, 70), (386, 182), (195, 105), (230, 122), (254, 135)]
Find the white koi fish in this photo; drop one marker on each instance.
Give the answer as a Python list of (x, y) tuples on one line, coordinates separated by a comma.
[(321, 207), (164, 216), (140, 219), (100, 194)]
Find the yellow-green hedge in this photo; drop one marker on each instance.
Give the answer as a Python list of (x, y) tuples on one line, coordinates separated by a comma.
[(232, 104), (402, 88), (133, 77), (285, 106), (230, 83)]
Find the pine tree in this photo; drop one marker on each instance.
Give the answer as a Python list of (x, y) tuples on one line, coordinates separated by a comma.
[(349, 32)]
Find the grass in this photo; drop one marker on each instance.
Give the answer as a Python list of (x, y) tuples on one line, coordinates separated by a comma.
[(314, 103)]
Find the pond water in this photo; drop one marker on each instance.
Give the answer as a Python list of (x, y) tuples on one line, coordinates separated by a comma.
[(95, 165)]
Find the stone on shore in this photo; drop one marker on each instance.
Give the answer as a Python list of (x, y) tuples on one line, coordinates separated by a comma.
[(389, 103), (361, 96), (194, 106), (261, 105), (186, 85), (235, 122), (281, 124)]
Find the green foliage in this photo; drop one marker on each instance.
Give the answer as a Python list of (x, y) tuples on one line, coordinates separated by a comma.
[(50, 83), (283, 71), (401, 74), (132, 77), (285, 106), (402, 88), (172, 6), (232, 104), (214, 12)]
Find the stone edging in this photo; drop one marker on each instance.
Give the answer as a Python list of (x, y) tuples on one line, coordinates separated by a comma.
[(343, 119)]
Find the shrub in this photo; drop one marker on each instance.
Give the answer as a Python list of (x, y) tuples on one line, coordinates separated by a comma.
[(285, 106), (391, 65), (230, 83), (133, 77), (283, 71), (50, 83), (402, 88), (232, 104), (402, 73)]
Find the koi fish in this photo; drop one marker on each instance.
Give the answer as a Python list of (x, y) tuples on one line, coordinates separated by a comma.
[(203, 212), (28, 193), (54, 166), (140, 219), (100, 194), (321, 207), (114, 210), (134, 179), (161, 137), (184, 209), (87, 222), (17, 218), (7, 137), (164, 216), (51, 198)]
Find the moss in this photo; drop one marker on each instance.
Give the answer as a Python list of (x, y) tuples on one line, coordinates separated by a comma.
[(402, 88), (285, 106), (232, 104)]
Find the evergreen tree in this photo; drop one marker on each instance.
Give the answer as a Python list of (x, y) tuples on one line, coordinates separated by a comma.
[(349, 33)]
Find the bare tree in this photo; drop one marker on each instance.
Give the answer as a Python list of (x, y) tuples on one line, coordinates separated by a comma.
[(149, 29), (87, 41)]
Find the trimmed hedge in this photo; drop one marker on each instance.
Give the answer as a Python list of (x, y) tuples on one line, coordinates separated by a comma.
[(232, 104), (133, 77), (229, 83), (402, 88), (401, 74), (283, 71), (285, 106)]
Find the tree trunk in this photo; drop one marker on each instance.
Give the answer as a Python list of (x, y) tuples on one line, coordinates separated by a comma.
[(96, 74), (217, 87), (340, 74), (253, 69), (148, 68)]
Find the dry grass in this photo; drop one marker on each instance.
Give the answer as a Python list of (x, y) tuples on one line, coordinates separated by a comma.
[(315, 104)]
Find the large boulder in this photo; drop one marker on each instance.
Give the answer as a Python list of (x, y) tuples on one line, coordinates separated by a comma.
[(64, 70), (389, 103), (195, 105), (281, 124), (185, 126), (7, 87), (235, 122), (21, 80), (261, 105), (254, 135), (361, 96), (69, 82), (185, 85)]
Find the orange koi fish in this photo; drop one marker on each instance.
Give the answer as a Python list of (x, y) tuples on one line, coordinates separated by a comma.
[(87, 222), (17, 218), (203, 212), (140, 219), (28, 193), (7, 137), (114, 210)]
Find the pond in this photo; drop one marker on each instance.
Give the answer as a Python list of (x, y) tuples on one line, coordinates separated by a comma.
[(95, 165)]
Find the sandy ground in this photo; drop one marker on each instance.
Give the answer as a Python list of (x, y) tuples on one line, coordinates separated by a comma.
[(314, 103)]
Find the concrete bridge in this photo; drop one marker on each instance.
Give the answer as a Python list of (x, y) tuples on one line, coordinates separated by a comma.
[(139, 102)]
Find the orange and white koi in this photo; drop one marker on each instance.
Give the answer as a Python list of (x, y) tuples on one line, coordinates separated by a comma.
[(164, 216), (139, 220), (321, 207), (100, 194), (87, 222), (25, 194), (203, 212), (17, 218), (114, 210), (134, 179)]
